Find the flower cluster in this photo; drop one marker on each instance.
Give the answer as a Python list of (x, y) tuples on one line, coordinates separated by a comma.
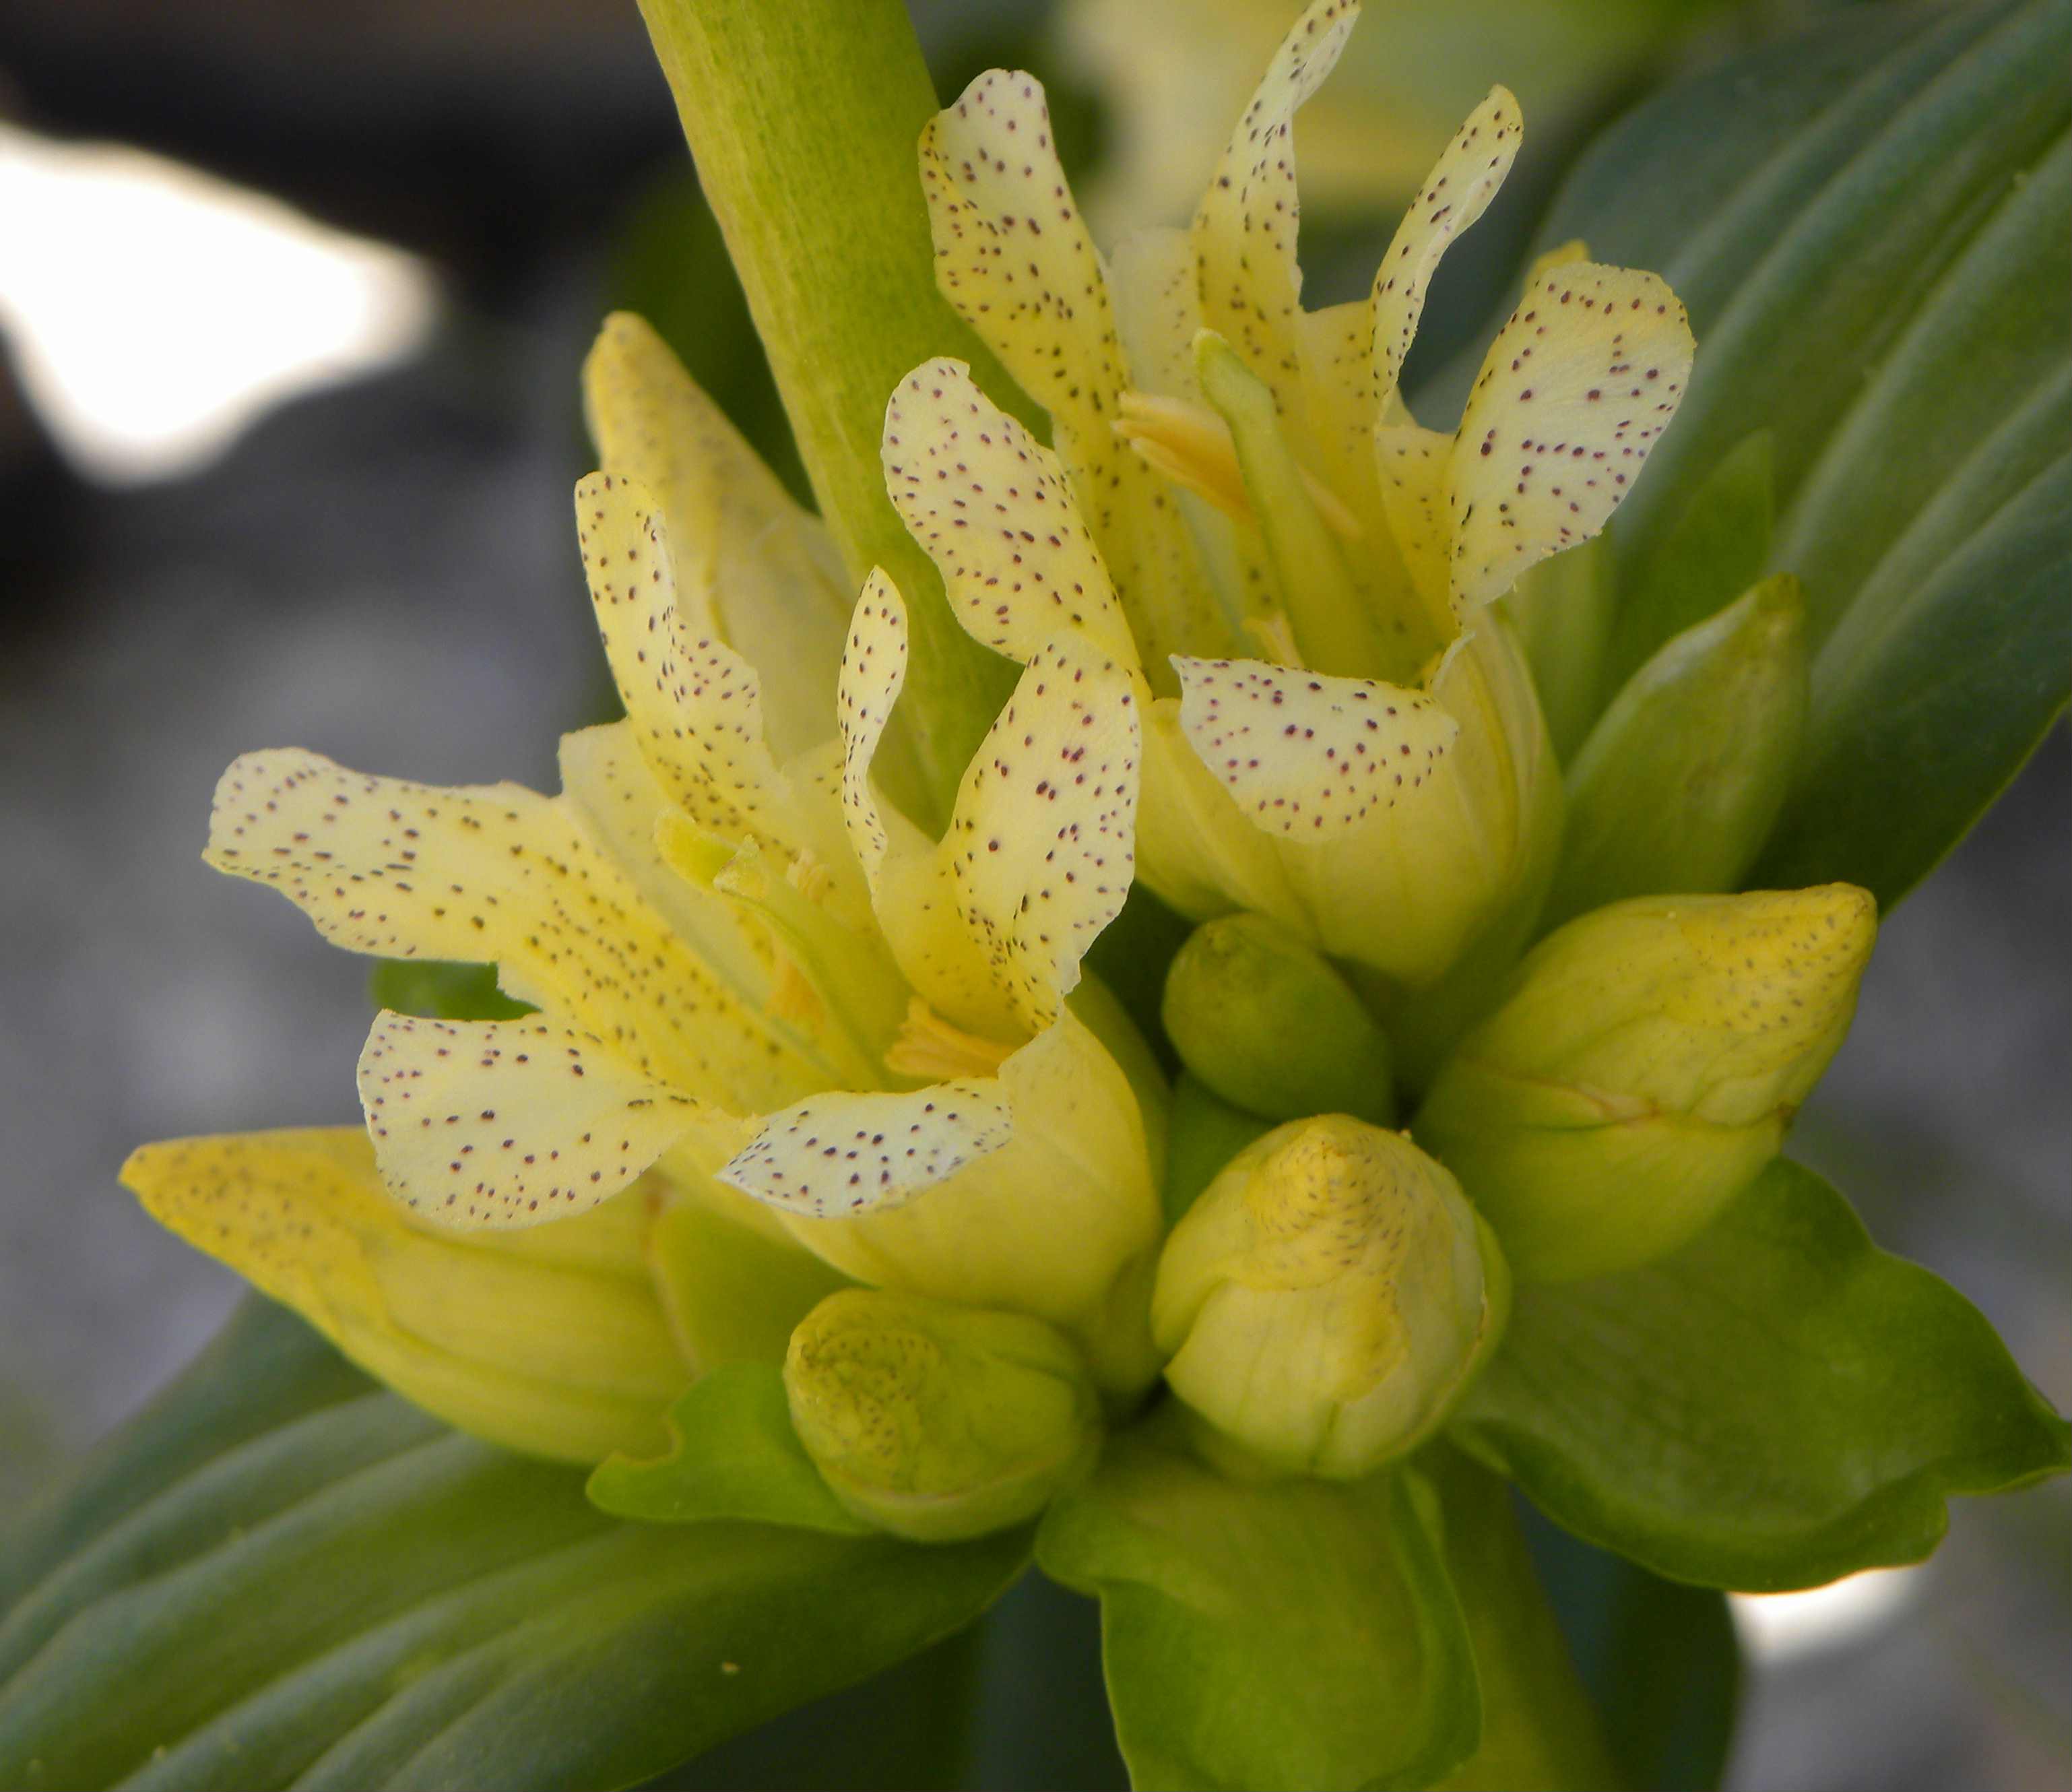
[(801, 1083)]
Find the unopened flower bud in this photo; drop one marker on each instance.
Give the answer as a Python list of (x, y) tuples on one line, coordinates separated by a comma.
[(1644, 1070), (1327, 1299), (939, 1422), (1266, 1023), (1680, 783)]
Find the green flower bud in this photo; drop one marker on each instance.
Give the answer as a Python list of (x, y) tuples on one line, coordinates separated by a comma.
[(1266, 1023), (1644, 1070), (1679, 786), (1327, 1299), (938, 1422)]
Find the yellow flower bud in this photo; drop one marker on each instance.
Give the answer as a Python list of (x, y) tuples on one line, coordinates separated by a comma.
[(1327, 1299), (1262, 1020), (938, 1422), (1644, 1069)]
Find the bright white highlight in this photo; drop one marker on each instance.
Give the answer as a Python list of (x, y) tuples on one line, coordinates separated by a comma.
[(154, 312), (1786, 1626)]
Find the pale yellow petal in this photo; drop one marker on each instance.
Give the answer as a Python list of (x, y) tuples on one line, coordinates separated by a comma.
[(1195, 847), (751, 566), (509, 1122), (1411, 467), (494, 874), (874, 670), (696, 704), (1456, 194), (1575, 392), (1011, 252), (1041, 844), (1244, 232), (841, 1154), (551, 1342), (994, 509), (1053, 1221), (1013, 255), (1310, 757), (607, 783), (1157, 310)]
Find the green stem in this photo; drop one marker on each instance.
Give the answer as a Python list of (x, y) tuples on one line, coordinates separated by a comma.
[(803, 117)]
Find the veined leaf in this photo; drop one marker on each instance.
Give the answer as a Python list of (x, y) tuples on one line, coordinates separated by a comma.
[(1775, 1405), (1290, 1634), (318, 1586), (1871, 225)]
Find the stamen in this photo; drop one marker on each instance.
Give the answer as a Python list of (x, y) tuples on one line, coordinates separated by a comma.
[(929, 1046)]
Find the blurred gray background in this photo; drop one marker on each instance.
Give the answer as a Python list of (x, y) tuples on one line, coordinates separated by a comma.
[(383, 570)]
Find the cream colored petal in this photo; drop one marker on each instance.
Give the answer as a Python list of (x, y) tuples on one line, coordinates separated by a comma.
[(1048, 1224), (1410, 466), (696, 704), (1041, 844), (1244, 232), (508, 1122), (497, 875), (1013, 256), (840, 1154), (751, 566), (1337, 355), (1310, 757), (992, 507), (606, 782), (874, 670), (1458, 191), (1158, 313), (1011, 252), (1195, 849), (1157, 310), (553, 1344), (1575, 392)]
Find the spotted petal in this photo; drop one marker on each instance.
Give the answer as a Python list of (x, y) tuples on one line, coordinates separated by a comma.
[(1456, 194), (1013, 257), (1046, 1223), (752, 567), (696, 704), (994, 509), (1244, 231), (874, 670), (494, 874), (1575, 392), (841, 1154), (1040, 846), (509, 1122), (1310, 757), (551, 1342), (1011, 252)]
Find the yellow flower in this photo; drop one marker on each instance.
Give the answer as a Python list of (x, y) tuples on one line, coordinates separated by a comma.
[(1231, 471), (751, 974)]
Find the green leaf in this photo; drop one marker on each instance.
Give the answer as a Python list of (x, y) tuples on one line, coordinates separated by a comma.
[(1661, 1660), (441, 991), (316, 1585), (733, 1455), (1297, 1634), (1871, 225), (1716, 550), (1777, 1404), (1539, 1729)]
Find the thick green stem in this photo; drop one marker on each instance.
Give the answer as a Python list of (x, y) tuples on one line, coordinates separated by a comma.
[(803, 117)]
